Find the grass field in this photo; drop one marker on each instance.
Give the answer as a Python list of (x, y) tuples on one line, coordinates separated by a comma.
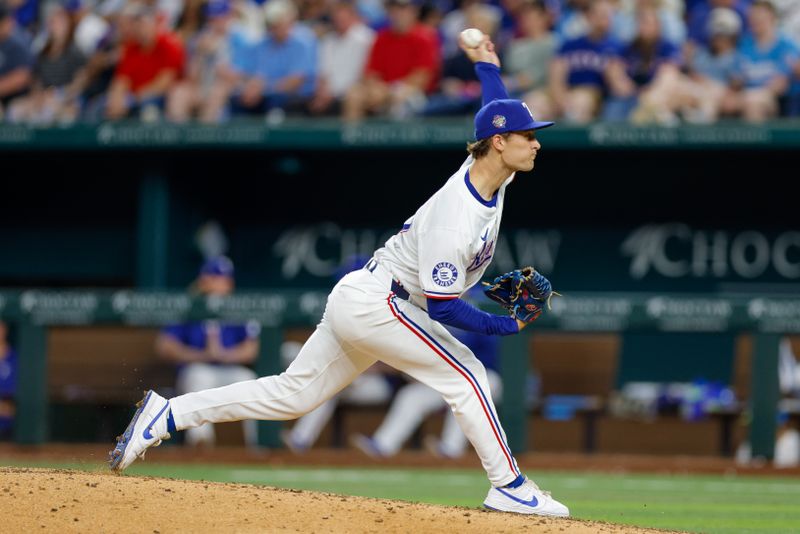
[(695, 503)]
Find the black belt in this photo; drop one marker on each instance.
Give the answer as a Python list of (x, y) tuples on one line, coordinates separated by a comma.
[(396, 288)]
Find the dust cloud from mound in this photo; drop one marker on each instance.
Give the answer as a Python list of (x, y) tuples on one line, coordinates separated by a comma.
[(49, 500)]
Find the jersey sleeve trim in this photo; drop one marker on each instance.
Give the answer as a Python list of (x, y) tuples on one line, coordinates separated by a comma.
[(440, 296)]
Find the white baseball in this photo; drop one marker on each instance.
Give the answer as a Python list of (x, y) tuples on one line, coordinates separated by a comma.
[(472, 37)]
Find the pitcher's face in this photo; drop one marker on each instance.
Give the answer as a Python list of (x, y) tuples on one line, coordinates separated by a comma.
[(520, 150)]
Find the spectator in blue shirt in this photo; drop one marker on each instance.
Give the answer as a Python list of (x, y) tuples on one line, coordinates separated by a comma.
[(646, 75), (16, 60), (673, 26), (711, 70), (768, 59), (203, 91), (210, 354), (8, 384), (577, 80), (699, 14), (283, 70), (26, 14)]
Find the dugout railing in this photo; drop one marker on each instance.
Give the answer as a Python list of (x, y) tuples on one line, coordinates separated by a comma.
[(33, 312)]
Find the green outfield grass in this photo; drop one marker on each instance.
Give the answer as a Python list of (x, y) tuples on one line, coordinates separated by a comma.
[(696, 503)]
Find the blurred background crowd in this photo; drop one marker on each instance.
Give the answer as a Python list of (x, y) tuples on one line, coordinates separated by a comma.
[(644, 61)]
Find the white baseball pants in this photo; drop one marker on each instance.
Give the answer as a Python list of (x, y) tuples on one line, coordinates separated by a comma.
[(365, 322), (200, 376)]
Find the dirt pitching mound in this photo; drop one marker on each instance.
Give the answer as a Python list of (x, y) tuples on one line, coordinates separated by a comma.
[(48, 500)]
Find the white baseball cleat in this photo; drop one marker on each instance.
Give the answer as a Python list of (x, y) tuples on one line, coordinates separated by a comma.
[(146, 429), (525, 499)]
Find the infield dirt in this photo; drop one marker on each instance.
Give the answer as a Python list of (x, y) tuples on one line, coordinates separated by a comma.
[(49, 500)]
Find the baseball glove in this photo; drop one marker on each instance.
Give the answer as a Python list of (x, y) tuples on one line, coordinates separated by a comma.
[(524, 292)]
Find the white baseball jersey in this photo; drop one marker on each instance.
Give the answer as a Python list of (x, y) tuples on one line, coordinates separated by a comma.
[(444, 249)]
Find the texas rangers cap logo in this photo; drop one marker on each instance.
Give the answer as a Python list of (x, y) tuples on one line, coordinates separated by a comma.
[(498, 121), (445, 274)]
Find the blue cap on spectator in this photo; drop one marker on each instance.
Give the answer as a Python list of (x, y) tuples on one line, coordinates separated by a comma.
[(72, 5), (218, 8), (218, 266), (505, 115)]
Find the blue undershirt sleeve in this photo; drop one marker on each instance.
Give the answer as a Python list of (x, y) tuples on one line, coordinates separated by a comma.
[(492, 85), (463, 315)]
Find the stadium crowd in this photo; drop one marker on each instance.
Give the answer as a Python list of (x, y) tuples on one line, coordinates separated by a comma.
[(644, 61)]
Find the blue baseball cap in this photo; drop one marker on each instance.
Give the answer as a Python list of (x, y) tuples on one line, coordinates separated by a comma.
[(218, 266), (72, 5), (505, 115)]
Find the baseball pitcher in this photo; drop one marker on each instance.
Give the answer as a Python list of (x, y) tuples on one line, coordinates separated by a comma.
[(394, 309)]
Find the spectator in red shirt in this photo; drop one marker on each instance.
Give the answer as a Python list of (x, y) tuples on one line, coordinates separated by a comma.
[(402, 68), (151, 63)]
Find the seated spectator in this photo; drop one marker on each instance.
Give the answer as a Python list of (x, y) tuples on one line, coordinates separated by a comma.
[(527, 57), (98, 39), (281, 73), (373, 12), (26, 14), (16, 60), (199, 94), (572, 19), (168, 12), (711, 70), (431, 14), (191, 19), (90, 30), (459, 89), (791, 104), (645, 76), (509, 14), (768, 60), (8, 384), (315, 14), (152, 62), (209, 354), (58, 74), (578, 75), (403, 67), (342, 57), (697, 17), (456, 20), (224, 69), (670, 17), (789, 18)]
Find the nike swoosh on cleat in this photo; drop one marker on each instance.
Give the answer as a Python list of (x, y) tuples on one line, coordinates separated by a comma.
[(533, 503), (146, 434)]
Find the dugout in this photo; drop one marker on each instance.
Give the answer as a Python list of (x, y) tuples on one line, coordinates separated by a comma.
[(117, 205)]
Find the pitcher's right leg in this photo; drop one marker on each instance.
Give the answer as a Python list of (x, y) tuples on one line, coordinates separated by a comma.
[(322, 369)]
